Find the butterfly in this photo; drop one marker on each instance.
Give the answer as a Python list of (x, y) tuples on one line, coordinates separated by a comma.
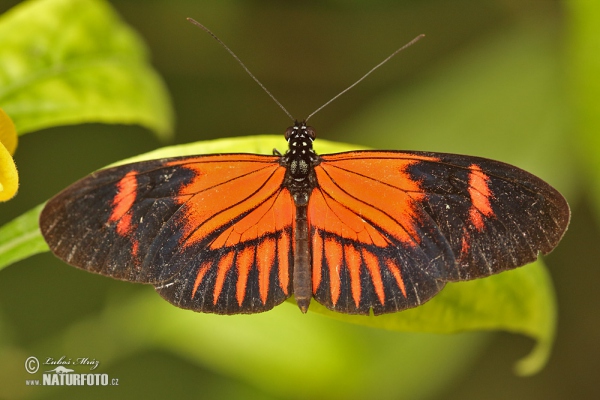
[(357, 231)]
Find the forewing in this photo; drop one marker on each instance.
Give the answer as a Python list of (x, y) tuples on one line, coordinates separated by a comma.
[(389, 229), (211, 233)]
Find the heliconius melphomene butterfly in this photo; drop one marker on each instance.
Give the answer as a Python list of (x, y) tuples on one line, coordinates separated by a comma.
[(356, 231)]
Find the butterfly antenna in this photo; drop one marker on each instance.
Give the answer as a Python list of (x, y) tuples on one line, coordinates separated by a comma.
[(199, 25), (415, 40)]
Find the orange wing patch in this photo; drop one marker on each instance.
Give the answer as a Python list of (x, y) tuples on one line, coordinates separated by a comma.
[(390, 200), (283, 258), (366, 224), (123, 201), (334, 256), (395, 269), (245, 259), (200, 275), (372, 264), (234, 222), (480, 196), (265, 258), (218, 193), (223, 266), (343, 255), (353, 262), (243, 219)]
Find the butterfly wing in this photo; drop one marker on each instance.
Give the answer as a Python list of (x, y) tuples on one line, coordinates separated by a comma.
[(389, 229), (211, 233)]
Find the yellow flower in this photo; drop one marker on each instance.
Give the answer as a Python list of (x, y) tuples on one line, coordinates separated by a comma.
[(9, 178)]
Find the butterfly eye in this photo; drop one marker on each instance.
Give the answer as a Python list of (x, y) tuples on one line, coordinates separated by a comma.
[(288, 132), (311, 132)]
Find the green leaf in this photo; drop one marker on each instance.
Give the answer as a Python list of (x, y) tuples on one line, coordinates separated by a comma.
[(75, 61), (520, 301), (21, 238)]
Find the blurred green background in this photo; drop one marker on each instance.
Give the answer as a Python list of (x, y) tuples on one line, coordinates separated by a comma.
[(505, 79)]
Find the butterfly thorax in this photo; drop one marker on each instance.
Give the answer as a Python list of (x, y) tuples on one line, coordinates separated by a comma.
[(300, 160)]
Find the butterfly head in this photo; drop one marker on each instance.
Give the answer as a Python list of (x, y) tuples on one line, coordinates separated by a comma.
[(300, 139), (300, 131)]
